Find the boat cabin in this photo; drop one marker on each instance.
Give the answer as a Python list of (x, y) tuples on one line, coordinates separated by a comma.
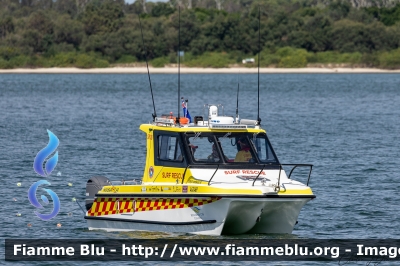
[(215, 143)]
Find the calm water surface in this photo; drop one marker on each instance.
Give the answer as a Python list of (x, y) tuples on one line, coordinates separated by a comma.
[(348, 126)]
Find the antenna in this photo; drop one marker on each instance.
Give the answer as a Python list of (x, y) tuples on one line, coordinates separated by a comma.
[(179, 63), (237, 96), (237, 104), (259, 52), (148, 72)]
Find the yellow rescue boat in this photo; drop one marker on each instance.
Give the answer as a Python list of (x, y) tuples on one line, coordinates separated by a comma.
[(217, 175)]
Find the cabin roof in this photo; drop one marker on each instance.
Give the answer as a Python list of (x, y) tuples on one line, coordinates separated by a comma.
[(194, 128)]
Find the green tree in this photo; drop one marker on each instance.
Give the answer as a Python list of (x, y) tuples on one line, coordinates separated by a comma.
[(67, 30), (347, 36), (388, 16), (102, 17), (38, 36), (339, 9), (162, 9), (189, 28), (6, 26), (66, 7)]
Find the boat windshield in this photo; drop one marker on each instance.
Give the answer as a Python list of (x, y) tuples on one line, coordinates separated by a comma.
[(263, 148), (231, 148)]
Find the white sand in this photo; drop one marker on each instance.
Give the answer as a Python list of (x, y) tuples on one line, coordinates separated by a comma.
[(186, 70)]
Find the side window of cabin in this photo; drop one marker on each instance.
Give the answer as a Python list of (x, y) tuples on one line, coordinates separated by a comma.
[(202, 149), (169, 148), (236, 149), (264, 150), (229, 148)]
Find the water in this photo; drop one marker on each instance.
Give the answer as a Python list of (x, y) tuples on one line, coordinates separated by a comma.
[(347, 125)]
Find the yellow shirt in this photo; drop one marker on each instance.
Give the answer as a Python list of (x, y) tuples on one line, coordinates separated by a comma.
[(243, 156)]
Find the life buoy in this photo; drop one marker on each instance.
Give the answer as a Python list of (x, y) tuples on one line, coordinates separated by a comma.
[(182, 120)]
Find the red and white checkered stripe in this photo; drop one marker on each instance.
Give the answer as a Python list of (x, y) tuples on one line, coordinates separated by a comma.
[(107, 206)]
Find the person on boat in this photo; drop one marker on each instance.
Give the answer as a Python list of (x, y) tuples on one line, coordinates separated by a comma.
[(214, 156), (193, 148), (244, 155)]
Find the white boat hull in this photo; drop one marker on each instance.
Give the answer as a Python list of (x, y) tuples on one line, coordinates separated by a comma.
[(226, 215)]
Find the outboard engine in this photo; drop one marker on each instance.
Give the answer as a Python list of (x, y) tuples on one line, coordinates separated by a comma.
[(94, 185)]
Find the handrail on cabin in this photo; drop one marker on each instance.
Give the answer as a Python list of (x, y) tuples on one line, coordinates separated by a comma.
[(213, 174), (184, 173), (296, 165), (259, 173), (291, 171)]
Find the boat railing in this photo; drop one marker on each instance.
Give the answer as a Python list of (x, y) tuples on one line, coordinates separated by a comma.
[(299, 165), (184, 174), (126, 182), (209, 182), (290, 174)]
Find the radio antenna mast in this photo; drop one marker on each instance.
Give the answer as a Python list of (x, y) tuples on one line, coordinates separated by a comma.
[(259, 52), (237, 104), (148, 72), (179, 64)]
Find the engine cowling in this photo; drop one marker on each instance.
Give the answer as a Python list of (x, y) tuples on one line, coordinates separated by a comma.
[(94, 185)]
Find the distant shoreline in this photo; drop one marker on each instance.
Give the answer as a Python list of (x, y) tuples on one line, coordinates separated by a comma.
[(187, 70)]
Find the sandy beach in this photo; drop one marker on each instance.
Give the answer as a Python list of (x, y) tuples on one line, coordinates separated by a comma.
[(186, 70)]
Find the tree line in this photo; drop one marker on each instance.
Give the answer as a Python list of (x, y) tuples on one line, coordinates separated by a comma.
[(294, 33)]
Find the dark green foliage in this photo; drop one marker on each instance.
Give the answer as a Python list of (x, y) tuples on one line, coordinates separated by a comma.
[(67, 30), (66, 7), (339, 9), (388, 16), (6, 26), (7, 52), (348, 36), (162, 9), (45, 33), (102, 17)]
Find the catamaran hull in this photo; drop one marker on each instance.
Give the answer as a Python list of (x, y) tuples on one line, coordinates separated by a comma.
[(219, 216)]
